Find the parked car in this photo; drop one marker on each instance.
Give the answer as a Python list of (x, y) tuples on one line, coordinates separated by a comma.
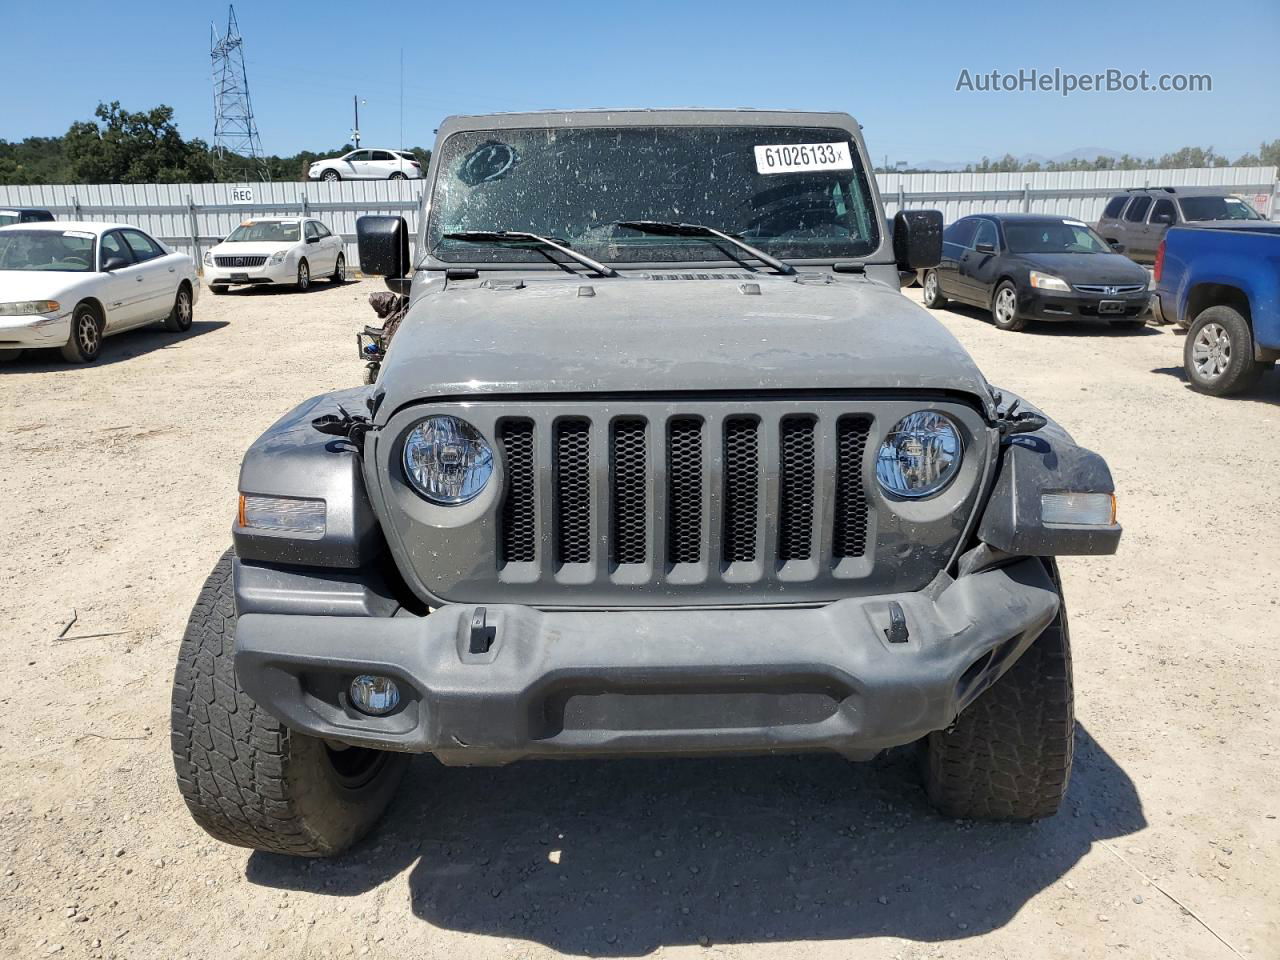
[(368, 165), (1137, 219), (1028, 266), (24, 215), (1222, 282), (646, 489), (69, 284), (275, 250)]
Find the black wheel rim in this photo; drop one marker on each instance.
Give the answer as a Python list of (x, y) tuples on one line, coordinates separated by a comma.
[(354, 767)]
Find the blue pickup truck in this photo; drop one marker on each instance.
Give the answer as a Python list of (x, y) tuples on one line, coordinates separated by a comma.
[(1223, 283)]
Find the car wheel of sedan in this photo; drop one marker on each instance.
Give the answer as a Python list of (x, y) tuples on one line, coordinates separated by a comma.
[(179, 318), (397, 176), (339, 271), (1004, 308), (86, 336), (304, 275), (933, 298), (1218, 353), (331, 176)]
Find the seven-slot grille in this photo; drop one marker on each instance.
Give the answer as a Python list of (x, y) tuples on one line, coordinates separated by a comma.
[(239, 261), (1111, 290), (684, 490)]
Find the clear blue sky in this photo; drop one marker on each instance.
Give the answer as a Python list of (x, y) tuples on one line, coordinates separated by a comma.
[(893, 67)]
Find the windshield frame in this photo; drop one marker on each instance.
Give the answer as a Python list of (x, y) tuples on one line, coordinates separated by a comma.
[(881, 252)]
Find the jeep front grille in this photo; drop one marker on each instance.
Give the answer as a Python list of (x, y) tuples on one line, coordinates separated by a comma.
[(717, 500)]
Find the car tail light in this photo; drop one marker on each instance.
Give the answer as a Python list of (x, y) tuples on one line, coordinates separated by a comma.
[(1159, 267)]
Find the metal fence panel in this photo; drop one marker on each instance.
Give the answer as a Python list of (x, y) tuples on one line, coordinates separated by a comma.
[(192, 217)]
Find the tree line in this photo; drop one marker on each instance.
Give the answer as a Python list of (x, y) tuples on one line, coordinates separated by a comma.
[(120, 146), (1268, 155)]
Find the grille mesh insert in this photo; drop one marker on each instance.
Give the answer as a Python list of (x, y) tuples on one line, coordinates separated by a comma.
[(684, 490), (795, 489), (741, 473), (518, 528), (630, 498), (573, 491), (851, 500)]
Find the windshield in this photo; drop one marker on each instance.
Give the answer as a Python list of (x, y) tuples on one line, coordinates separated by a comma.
[(794, 192), (265, 231), (1053, 236), (1217, 208), (70, 252)]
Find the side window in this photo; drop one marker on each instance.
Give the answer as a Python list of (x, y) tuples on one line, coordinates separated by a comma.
[(382, 155), (1113, 208), (960, 232), (113, 245), (143, 247), (311, 231), (358, 155), (1166, 209), (1137, 211), (986, 233), (321, 230)]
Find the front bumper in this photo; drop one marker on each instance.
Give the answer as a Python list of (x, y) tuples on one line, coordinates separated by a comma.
[(28, 333), (555, 684), (283, 272), (1050, 305)]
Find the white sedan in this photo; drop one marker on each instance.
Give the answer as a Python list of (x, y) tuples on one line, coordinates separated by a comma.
[(69, 284), (280, 250), (367, 165)]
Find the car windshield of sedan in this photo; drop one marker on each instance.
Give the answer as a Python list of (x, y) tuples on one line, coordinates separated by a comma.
[(70, 252), (265, 231), (1217, 208), (1053, 236), (793, 192)]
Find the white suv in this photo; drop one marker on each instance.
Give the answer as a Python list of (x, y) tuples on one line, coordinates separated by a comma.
[(367, 165)]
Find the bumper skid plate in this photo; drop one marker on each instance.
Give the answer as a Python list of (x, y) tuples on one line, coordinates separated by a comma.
[(537, 683)]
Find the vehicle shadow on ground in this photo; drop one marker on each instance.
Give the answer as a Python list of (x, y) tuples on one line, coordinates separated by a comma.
[(1266, 390), (620, 858), (1061, 328), (115, 349), (282, 289)]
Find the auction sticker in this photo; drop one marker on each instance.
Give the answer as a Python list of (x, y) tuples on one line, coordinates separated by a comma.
[(797, 157)]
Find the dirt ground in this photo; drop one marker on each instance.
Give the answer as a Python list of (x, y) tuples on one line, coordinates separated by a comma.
[(118, 488)]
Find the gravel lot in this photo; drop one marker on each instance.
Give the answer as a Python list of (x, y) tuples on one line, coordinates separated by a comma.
[(118, 488)]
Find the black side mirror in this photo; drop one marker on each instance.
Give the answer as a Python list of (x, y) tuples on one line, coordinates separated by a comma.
[(985, 248), (383, 243), (917, 239), (113, 261), (1117, 246)]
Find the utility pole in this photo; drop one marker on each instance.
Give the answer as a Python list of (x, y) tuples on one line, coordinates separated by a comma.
[(355, 131), (235, 132)]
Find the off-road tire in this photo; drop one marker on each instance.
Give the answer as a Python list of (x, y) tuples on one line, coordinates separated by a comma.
[(180, 317), (933, 298), (81, 347), (1011, 322), (1241, 370), (371, 371), (1008, 756), (247, 779), (339, 275)]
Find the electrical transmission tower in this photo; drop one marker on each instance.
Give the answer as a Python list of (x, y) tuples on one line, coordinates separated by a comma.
[(236, 143)]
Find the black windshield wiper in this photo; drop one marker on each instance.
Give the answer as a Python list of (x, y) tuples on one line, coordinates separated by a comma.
[(516, 236), (664, 229)]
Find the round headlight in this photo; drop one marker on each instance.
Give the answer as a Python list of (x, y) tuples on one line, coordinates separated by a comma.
[(447, 460), (920, 455)]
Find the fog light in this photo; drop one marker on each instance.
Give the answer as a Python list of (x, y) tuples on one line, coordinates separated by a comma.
[(1078, 509), (374, 695)]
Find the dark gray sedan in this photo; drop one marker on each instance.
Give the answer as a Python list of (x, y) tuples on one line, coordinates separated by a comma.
[(1024, 267)]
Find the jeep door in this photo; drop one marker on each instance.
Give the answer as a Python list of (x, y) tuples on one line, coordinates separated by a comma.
[(955, 243), (980, 264)]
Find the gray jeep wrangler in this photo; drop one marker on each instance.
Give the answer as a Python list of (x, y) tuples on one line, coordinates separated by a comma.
[(660, 462)]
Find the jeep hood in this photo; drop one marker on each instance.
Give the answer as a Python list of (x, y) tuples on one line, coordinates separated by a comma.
[(643, 334)]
